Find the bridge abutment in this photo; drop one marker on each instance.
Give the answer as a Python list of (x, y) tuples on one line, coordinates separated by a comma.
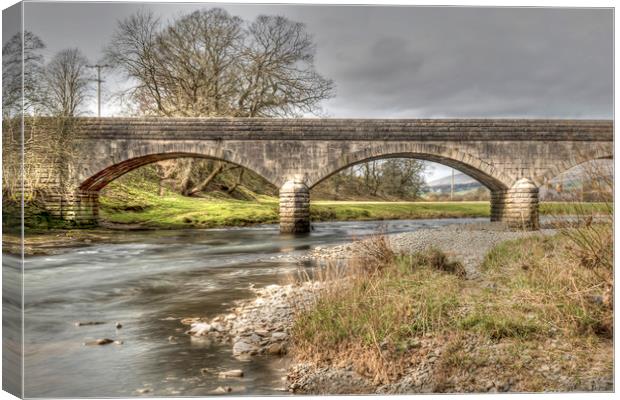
[(517, 207), (294, 207), (79, 207)]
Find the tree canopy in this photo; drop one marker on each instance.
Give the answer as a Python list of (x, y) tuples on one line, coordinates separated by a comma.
[(209, 64)]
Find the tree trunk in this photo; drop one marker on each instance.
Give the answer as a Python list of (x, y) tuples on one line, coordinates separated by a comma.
[(203, 185), (237, 182), (185, 177)]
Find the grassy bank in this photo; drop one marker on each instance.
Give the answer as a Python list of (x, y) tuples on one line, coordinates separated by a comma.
[(174, 211), (137, 203), (143, 206), (540, 319)]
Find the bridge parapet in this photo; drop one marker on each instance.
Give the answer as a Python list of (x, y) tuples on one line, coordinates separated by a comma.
[(345, 129)]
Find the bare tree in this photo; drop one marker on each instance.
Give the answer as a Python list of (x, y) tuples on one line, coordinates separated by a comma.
[(396, 178), (403, 177), (372, 175), (211, 64), (21, 59), (67, 83), (279, 75)]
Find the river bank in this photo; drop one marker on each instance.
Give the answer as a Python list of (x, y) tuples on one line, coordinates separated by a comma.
[(266, 325), (177, 212), (146, 211), (174, 211)]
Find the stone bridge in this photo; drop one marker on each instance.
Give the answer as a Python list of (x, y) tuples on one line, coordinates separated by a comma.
[(510, 157)]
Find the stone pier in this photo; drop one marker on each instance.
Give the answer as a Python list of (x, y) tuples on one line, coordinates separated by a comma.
[(517, 207), (81, 207), (294, 207)]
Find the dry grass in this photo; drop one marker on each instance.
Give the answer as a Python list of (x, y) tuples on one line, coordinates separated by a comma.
[(379, 303), (540, 280), (540, 300)]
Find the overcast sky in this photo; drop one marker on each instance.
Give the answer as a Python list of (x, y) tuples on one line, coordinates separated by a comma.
[(410, 62)]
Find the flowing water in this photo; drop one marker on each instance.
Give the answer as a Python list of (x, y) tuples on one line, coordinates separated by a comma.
[(148, 281)]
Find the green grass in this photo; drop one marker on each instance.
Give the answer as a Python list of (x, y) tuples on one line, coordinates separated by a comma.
[(175, 211), (373, 210), (148, 209), (139, 203), (373, 313), (574, 208)]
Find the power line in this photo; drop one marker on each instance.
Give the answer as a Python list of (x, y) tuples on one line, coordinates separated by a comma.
[(99, 80), (452, 186)]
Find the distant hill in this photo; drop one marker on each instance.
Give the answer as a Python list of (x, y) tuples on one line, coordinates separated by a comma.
[(569, 180), (462, 183), (459, 178)]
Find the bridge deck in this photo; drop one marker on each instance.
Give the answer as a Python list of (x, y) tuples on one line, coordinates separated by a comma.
[(346, 129)]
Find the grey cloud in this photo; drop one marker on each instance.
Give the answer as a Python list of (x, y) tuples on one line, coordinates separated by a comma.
[(416, 61), (479, 62)]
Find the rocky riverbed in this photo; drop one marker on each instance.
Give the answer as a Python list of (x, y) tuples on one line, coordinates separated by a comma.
[(465, 243), (256, 327)]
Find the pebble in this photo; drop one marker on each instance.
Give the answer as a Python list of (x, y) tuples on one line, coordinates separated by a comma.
[(99, 342), (279, 335), (275, 349), (119, 325), (233, 373), (199, 329), (241, 347), (222, 389), (87, 323), (468, 243)]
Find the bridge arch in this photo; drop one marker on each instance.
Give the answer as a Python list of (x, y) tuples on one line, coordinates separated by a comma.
[(98, 174), (574, 159), (490, 176)]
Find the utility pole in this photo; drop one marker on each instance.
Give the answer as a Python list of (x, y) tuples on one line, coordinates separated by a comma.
[(99, 66), (452, 186)]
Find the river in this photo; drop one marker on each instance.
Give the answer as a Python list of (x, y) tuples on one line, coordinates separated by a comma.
[(147, 281)]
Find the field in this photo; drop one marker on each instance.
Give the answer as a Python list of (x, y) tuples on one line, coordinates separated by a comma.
[(134, 205), (140, 204)]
